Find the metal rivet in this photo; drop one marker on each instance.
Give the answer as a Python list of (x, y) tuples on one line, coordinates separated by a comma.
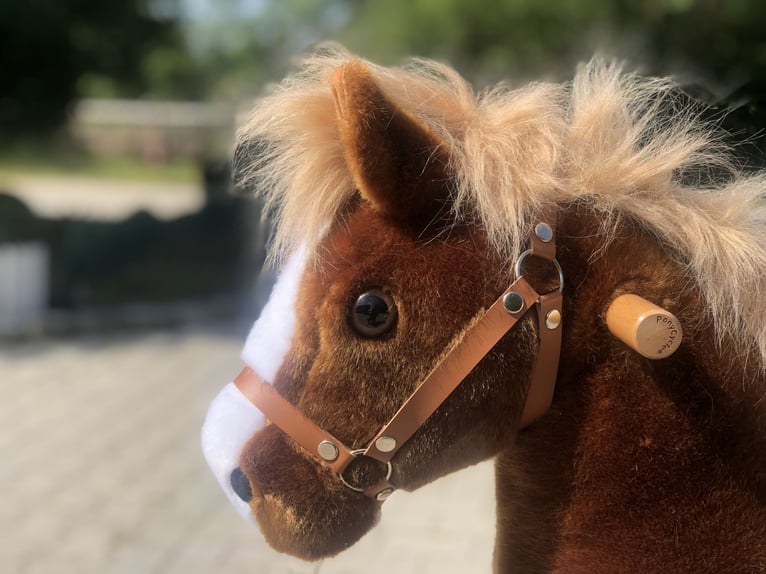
[(544, 232), (384, 494), (513, 302), (553, 319), (385, 443), (328, 450)]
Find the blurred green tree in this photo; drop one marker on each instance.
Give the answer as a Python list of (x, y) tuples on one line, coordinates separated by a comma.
[(241, 44), (53, 51), (715, 48), (718, 42)]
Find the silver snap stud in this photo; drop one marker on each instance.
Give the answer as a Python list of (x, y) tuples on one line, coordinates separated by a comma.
[(544, 232), (385, 443), (553, 319), (328, 450), (513, 302)]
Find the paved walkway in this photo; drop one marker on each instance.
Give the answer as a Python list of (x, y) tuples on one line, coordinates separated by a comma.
[(100, 471)]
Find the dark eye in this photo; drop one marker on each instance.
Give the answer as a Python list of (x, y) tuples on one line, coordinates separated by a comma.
[(374, 313)]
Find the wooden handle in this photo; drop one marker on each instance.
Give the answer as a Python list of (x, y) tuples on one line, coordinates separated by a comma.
[(644, 327)]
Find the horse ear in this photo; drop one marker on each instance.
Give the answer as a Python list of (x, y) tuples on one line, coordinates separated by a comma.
[(397, 163)]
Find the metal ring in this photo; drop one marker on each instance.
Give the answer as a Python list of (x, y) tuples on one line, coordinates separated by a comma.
[(355, 453), (527, 253)]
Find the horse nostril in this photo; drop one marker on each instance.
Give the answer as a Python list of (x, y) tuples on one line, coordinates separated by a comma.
[(241, 485)]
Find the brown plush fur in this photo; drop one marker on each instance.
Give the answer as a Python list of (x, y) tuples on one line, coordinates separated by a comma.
[(639, 466)]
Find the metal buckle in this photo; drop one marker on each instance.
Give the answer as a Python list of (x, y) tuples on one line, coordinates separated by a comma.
[(356, 453), (527, 253)]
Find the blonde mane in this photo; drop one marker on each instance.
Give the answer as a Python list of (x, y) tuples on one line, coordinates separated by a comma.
[(606, 138)]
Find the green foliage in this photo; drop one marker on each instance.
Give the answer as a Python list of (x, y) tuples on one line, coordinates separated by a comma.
[(25, 160), (715, 47), (717, 41), (239, 48), (54, 51), (50, 51)]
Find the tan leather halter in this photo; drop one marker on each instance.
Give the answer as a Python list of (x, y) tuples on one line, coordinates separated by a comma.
[(478, 340)]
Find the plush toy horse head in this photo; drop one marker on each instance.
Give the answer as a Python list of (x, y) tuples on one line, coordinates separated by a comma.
[(450, 259)]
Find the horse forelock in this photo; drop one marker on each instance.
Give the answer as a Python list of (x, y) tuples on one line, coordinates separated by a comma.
[(623, 143)]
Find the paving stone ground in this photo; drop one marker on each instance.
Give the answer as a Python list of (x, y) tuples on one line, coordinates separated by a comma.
[(101, 471)]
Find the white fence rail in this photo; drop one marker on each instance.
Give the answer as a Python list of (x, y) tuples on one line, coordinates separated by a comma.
[(155, 130)]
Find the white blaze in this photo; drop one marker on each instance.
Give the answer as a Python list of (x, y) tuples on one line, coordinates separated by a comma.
[(269, 339), (231, 418)]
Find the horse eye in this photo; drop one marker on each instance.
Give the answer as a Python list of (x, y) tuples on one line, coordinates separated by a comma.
[(373, 314)]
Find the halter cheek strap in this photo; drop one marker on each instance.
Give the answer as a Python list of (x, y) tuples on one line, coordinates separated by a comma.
[(549, 317), (478, 340)]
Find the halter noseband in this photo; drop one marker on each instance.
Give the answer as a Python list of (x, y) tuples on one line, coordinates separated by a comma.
[(478, 340)]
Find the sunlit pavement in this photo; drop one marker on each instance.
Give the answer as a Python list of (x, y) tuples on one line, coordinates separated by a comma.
[(101, 472), (103, 199)]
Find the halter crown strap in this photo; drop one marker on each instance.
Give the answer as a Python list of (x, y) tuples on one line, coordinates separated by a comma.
[(549, 316)]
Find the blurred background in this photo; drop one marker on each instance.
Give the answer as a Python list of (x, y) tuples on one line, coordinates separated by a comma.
[(130, 270)]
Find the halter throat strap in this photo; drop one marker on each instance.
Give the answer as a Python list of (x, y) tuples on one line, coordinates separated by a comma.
[(478, 340)]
